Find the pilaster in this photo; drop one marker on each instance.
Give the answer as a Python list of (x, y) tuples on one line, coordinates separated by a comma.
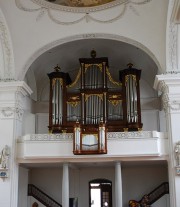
[(118, 185), (65, 185), (12, 105), (169, 87)]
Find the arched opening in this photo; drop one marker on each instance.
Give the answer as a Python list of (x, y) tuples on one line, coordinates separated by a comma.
[(100, 193), (67, 54)]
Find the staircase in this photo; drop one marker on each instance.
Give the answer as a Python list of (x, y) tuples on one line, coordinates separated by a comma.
[(42, 197), (148, 199)]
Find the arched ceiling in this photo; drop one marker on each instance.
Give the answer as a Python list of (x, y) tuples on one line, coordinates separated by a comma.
[(67, 57)]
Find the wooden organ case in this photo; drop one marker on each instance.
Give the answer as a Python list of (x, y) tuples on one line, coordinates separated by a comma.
[(94, 103)]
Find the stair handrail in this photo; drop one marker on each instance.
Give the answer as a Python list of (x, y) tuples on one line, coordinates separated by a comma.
[(152, 197), (42, 196), (161, 189)]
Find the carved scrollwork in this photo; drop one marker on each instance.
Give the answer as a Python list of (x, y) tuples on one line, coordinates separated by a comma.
[(9, 113), (169, 103), (175, 105)]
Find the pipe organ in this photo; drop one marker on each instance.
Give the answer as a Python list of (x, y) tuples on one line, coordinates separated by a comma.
[(94, 103)]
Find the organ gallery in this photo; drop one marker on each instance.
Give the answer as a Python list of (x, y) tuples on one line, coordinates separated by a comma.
[(94, 103)]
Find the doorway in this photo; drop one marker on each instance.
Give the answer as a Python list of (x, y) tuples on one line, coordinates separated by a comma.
[(100, 193)]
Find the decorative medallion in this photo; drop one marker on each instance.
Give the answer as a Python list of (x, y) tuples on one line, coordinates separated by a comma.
[(85, 7), (80, 3)]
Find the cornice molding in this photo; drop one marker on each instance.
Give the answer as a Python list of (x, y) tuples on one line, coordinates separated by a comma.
[(164, 81), (11, 107), (48, 8), (15, 86)]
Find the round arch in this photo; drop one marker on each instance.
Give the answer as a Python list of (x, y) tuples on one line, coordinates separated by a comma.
[(59, 42)]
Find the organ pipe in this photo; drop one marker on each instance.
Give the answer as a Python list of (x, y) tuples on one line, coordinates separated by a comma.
[(94, 96), (57, 106), (130, 78), (97, 101)]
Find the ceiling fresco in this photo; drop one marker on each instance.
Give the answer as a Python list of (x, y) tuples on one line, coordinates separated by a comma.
[(80, 3)]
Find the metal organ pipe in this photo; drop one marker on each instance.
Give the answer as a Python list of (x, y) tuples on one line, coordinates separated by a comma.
[(60, 102), (57, 103), (131, 97), (82, 106)]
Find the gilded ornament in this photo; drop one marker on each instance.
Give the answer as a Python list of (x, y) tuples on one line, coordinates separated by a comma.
[(111, 79)]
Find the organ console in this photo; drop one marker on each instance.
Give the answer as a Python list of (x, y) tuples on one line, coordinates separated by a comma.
[(94, 103)]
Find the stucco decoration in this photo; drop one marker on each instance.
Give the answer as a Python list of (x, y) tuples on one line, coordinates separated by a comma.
[(11, 113), (86, 12), (4, 162), (177, 157), (172, 43), (6, 52), (170, 103), (4, 157), (13, 99), (69, 136)]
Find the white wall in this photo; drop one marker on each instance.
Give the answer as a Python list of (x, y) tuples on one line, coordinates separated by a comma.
[(48, 180), (137, 180), (178, 47), (22, 188), (42, 123), (163, 201), (26, 28)]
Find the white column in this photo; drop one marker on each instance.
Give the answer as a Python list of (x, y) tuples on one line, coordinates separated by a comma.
[(65, 186), (169, 85), (118, 185), (12, 106)]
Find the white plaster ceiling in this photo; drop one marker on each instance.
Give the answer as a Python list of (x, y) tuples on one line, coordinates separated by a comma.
[(67, 57)]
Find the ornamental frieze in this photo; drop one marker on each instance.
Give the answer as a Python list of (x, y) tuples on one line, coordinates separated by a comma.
[(11, 113)]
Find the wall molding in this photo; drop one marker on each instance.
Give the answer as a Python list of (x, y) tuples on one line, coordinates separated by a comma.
[(171, 41), (7, 72), (110, 136), (44, 7)]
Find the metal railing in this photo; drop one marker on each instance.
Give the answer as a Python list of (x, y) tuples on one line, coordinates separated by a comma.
[(148, 199), (42, 197)]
